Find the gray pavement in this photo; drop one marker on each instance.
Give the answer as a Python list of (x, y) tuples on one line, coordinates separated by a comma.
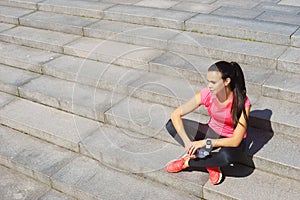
[(87, 86)]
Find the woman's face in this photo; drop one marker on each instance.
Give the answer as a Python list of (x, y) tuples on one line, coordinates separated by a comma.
[(215, 82)]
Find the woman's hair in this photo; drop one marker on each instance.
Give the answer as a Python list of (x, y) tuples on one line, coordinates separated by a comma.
[(237, 85)]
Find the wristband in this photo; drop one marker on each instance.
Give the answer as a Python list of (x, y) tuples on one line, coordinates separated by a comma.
[(205, 151)]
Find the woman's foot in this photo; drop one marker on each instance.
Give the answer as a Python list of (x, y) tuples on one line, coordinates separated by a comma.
[(178, 165), (215, 175)]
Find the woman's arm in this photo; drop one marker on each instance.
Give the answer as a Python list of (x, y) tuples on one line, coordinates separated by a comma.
[(234, 141), (182, 110)]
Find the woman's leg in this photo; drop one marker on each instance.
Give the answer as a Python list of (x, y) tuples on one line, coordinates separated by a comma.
[(194, 130), (225, 156)]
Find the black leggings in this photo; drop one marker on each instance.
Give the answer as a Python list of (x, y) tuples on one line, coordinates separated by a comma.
[(197, 131)]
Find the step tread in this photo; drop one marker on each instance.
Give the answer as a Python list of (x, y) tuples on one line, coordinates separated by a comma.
[(243, 51), (90, 72), (282, 85), (139, 14), (88, 175), (289, 60), (131, 33), (64, 130), (79, 7), (28, 4), (11, 78), (24, 57), (14, 12), (34, 158), (242, 28), (72, 97), (258, 185), (37, 38), (113, 52), (6, 99), (17, 186), (57, 22), (296, 38), (283, 115), (5, 26)]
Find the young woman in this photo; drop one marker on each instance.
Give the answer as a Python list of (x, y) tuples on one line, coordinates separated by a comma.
[(228, 106)]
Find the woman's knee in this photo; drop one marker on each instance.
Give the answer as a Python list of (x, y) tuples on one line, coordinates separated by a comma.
[(228, 155), (170, 128)]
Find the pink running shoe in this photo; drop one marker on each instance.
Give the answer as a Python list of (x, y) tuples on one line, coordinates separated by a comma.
[(175, 166), (215, 175)]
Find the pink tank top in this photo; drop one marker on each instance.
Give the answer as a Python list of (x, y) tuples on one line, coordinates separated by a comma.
[(220, 116)]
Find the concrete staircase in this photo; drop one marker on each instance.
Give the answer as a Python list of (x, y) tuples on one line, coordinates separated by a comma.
[(87, 86)]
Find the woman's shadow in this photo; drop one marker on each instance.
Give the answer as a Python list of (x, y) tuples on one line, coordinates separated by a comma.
[(259, 133)]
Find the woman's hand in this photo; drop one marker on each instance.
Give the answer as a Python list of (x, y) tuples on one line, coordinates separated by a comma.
[(194, 146)]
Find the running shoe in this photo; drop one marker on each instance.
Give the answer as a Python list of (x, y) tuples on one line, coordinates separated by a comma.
[(175, 166), (215, 175)]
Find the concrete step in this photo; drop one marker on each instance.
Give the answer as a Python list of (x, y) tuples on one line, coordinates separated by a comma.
[(131, 33), (29, 4), (248, 29), (57, 22), (73, 174), (148, 86), (4, 26), (111, 52), (24, 57), (11, 78), (11, 15), (75, 98), (89, 8), (15, 185), (37, 38), (77, 175), (61, 131)]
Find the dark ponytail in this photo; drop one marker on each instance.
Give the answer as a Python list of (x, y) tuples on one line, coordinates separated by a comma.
[(237, 85)]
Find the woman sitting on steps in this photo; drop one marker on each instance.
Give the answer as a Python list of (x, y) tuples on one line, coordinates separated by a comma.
[(228, 106)]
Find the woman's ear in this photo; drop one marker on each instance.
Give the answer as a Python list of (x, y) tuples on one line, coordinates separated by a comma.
[(227, 81)]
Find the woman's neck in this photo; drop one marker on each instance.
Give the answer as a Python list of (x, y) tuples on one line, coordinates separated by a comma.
[(224, 95)]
